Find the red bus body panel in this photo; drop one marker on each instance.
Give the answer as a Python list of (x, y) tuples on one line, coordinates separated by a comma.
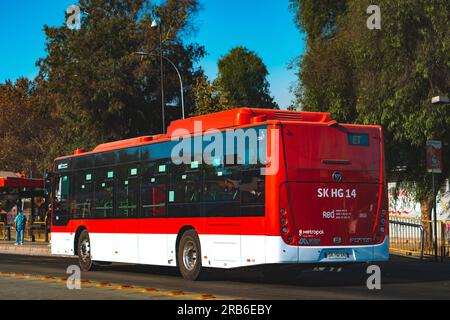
[(323, 211)]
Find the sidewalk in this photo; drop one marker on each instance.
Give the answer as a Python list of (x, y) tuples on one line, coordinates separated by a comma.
[(29, 249)]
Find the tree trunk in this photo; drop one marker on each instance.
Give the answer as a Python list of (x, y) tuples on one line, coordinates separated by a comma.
[(426, 207)]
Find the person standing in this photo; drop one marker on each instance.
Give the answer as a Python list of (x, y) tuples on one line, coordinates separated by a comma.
[(20, 222)]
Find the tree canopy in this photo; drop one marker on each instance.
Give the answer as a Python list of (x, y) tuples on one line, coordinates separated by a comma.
[(243, 75), (92, 88), (30, 131), (209, 97), (103, 90), (385, 76)]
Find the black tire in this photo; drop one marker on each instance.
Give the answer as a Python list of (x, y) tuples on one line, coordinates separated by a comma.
[(189, 256), (84, 252)]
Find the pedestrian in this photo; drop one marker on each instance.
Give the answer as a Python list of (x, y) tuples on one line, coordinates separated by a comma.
[(20, 222)]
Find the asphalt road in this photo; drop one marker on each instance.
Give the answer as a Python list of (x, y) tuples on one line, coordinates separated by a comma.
[(402, 278)]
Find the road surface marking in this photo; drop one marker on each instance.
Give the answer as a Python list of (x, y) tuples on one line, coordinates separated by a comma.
[(123, 287)]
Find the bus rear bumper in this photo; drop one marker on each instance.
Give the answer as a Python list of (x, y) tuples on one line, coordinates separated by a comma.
[(344, 254), (329, 255)]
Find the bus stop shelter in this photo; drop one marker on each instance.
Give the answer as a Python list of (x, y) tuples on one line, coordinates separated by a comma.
[(28, 194)]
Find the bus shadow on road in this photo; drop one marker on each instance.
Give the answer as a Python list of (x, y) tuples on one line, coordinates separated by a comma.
[(397, 271), (308, 277)]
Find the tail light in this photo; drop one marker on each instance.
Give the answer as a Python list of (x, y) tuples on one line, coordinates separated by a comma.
[(284, 225), (383, 226)]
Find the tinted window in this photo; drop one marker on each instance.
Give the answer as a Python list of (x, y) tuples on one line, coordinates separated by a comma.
[(154, 189), (83, 192), (185, 184), (128, 155), (105, 159), (221, 191), (104, 192), (83, 162), (253, 193), (158, 151), (248, 147), (185, 191), (127, 194), (61, 200), (221, 184)]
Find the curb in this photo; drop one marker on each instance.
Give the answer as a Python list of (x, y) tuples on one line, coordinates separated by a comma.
[(26, 250)]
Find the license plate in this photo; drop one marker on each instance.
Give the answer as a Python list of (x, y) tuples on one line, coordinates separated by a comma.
[(337, 255)]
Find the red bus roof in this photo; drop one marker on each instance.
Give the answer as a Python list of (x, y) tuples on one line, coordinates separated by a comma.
[(21, 183), (221, 120)]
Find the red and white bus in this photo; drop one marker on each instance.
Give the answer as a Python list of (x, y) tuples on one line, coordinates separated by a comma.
[(324, 202)]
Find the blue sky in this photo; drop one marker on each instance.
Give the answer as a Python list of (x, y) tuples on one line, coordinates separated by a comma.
[(264, 26)]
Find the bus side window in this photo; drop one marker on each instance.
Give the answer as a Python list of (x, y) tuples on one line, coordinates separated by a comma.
[(127, 192), (61, 200), (186, 183), (221, 191), (185, 192), (83, 191), (252, 193), (104, 192), (154, 190)]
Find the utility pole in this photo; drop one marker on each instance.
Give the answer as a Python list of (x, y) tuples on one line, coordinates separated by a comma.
[(163, 104)]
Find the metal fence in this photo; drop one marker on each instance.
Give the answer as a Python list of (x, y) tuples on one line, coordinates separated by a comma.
[(415, 237), (33, 233), (2, 231)]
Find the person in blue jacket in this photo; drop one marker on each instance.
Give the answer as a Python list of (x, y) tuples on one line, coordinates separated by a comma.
[(20, 222)]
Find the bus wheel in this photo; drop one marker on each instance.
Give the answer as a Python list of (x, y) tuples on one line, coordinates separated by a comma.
[(84, 252), (189, 256)]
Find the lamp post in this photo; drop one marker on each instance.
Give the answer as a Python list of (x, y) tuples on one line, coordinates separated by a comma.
[(439, 100), (183, 110), (155, 25)]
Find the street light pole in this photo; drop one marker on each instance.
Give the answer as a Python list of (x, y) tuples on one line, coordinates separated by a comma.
[(435, 219), (183, 110), (181, 85), (155, 24), (439, 100)]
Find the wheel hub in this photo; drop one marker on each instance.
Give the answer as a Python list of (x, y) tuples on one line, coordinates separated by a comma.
[(85, 250), (190, 255)]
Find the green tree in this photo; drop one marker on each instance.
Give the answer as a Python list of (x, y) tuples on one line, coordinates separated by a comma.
[(317, 17), (209, 97), (30, 130), (243, 76), (103, 91), (385, 76)]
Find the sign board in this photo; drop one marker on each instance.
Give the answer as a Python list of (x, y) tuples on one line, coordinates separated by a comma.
[(434, 156)]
